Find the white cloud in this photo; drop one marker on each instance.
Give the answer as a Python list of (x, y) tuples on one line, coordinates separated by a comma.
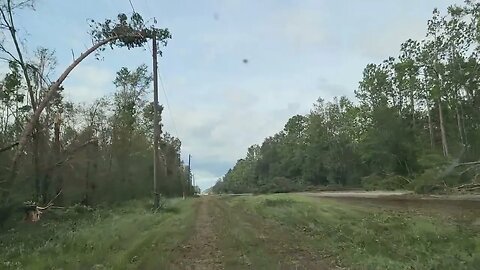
[(218, 130), (87, 83), (302, 27), (386, 40), (4, 70)]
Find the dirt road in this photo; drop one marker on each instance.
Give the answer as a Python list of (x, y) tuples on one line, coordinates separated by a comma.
[(201, 251), (227, 237), (356, 194)]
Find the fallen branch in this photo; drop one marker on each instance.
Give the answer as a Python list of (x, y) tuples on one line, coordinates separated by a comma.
[(33, 212), (468, 186), (468, 169), (468, 163), (406, 179)]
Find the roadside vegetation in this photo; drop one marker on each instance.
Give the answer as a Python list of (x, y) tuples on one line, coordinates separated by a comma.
[(281, 231), (414, 124), (362, 237), (126, 236), (57, 152)]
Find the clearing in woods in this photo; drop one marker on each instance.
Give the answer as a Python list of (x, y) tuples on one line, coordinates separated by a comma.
[(283, 231)]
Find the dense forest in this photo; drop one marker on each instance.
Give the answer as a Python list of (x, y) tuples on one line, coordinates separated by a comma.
[(100, 152), (415, 123)]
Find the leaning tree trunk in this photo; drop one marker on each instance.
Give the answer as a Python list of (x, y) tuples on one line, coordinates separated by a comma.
[(31, 124)]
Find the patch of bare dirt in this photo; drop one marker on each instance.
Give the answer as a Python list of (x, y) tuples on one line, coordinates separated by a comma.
[(200, 252)]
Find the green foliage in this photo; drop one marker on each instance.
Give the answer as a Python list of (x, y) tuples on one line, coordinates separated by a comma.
[(127, 32), (382, 182), (429, 182), (280, 185), (412, 113)]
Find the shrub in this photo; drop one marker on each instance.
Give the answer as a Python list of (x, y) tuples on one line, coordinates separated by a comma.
[(428, 182), (281, 185), (378, 182)]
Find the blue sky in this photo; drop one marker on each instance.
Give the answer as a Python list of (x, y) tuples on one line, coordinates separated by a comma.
[(298, 50)]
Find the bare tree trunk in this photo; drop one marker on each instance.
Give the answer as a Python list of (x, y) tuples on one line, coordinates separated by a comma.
[(442, 129), (36, 165), (430, 127), (57, 148), (465, 137), (412, 104), (8, 20), (459, 125), (7, 17), (87, 177)]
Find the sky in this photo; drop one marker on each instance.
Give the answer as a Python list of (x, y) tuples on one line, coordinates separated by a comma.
[(297, 51)]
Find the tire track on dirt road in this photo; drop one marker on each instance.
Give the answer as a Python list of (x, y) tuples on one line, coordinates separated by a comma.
[(201, 252)]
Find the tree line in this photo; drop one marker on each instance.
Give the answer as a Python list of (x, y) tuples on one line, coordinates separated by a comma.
[(415, 123), (100, 152)]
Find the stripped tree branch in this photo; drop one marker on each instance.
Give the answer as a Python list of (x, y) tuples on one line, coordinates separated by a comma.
[(468, 163)]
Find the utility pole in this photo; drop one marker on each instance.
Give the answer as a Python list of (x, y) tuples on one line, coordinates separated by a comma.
[(156, 126)]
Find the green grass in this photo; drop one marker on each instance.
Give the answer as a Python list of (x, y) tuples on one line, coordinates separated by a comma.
[(125, 237), (239, 240), (258, 232), (366, 238)]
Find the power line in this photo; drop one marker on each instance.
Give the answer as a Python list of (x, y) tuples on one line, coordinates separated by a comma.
[(168, 104), (164, 88)]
